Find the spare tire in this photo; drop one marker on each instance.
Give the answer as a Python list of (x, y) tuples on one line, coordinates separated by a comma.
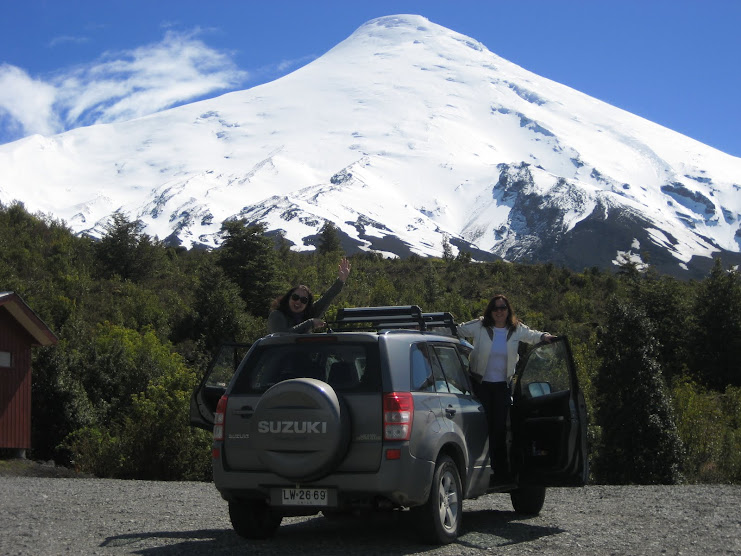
[(300, 429)]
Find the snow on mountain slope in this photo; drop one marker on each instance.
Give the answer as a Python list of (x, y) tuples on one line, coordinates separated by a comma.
[(402, 134)]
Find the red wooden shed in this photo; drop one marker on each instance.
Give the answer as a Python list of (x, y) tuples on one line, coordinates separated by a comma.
[(20, 329)]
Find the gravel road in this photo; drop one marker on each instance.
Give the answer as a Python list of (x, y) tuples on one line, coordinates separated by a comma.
[(44, 516)]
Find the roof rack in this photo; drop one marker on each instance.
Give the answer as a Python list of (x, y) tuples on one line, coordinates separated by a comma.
[(441, 320), (391, 318)]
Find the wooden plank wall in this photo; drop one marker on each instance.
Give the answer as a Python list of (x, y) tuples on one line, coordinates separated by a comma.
[(15, 385)]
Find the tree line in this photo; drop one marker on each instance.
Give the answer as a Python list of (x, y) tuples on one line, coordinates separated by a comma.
[(137, 322)]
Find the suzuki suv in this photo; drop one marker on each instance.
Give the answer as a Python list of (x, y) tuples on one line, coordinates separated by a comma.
[(379, 413)]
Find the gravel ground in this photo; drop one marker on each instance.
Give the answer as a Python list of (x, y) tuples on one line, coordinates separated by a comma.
[(42, 515)]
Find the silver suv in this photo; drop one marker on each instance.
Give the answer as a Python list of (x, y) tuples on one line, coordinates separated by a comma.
[(379, 413)]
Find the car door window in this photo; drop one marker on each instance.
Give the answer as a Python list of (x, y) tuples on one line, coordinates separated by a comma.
[(547, 371), (441, 382), (465, 352), (214, 384), (452, 369), (422, 377)]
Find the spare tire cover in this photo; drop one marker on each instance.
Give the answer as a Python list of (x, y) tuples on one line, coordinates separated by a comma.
[(300, 429)]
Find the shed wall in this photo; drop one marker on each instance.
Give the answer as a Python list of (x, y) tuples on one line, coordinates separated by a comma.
[(15, 385)]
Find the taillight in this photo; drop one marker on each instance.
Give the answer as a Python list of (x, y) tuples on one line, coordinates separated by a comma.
[(398, 411), (219, 419)]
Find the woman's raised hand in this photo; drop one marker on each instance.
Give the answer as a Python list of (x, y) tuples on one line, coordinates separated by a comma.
[(344, 270)]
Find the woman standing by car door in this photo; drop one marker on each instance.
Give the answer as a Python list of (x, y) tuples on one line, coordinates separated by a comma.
[(496, 337)]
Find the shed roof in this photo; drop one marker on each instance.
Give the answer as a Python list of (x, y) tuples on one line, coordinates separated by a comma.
[(27, 318)]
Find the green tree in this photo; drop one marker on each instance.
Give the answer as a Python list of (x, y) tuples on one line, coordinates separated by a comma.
[(383, 293), (125, 251), (60, 403), (447, 249), (140, 391), (717, 331), (700, 426), (730, 462), (463, 257), (119, 362), (639, 442), (219, 313), (156, 437), (249, 260), (431, 285), (329, 239), (630, 266), (668, 303), (44, 262)]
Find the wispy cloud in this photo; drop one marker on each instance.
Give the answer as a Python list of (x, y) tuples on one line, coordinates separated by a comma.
[(117, 86), (67, 39), (279, 69), (286, 65)]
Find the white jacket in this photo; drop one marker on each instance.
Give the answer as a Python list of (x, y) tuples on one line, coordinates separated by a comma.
[(481, 338)]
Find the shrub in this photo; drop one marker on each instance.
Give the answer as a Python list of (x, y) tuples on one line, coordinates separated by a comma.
[(639, 441)]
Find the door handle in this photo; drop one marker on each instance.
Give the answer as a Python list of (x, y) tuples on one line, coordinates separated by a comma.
[(450, 411)]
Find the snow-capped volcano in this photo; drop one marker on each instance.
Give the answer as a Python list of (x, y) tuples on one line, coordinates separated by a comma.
[(402, 135)]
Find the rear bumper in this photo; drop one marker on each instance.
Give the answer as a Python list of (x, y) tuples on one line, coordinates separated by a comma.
[(403, 482)]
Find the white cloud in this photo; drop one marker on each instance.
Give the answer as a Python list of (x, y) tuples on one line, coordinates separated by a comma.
[(26, 103), (117, 86)]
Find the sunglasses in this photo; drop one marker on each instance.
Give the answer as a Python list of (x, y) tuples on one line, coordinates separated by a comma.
[(297, 297), (500, 308)]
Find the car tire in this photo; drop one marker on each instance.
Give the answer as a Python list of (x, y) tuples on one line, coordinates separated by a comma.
[(253, 519), (528, 499), (439, 519)]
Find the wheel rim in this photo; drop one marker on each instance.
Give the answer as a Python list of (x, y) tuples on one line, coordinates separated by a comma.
[(448, 501)]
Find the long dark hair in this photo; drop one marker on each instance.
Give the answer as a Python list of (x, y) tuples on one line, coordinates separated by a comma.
[(281, 303), (488, 321)]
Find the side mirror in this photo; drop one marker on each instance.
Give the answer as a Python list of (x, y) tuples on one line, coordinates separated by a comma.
[(536, 389)]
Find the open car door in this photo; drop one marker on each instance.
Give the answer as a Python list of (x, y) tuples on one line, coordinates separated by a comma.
[(220, 371), (549, 419)]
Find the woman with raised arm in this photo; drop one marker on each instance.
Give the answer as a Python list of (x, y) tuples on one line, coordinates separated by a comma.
[(296, 311)]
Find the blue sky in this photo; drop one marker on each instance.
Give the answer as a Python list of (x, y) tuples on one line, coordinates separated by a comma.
[(66, 63)]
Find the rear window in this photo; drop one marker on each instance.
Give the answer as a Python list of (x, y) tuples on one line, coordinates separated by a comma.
[(347, 367)]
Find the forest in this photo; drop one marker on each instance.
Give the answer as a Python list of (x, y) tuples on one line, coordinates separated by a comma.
[(138, 321)]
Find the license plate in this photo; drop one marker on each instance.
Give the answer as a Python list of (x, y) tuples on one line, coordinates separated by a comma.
[(304, 497)]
